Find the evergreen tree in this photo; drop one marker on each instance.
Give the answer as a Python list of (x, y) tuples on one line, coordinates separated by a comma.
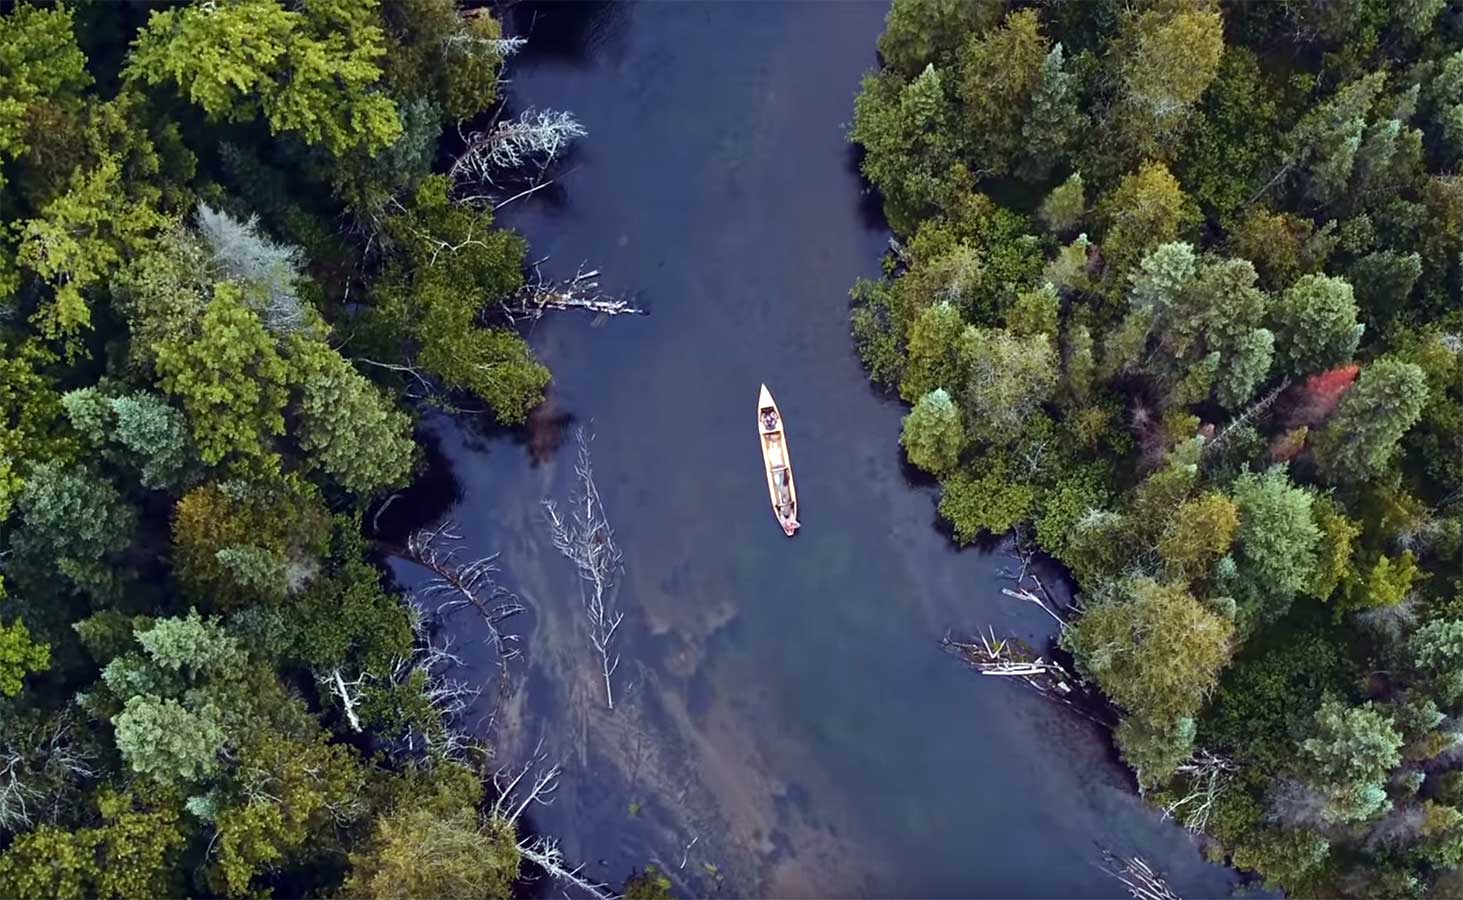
[(918, 33), (933, 436), (1064, 207), (1316, 324), (1361, 438), (1052, 120), (1325, 143), (1003, 73)]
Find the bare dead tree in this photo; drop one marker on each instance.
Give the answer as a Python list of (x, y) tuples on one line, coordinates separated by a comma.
[(42, 753), (16, 795), (534, 784), (1137, 876), (459, 584), (1209, 776), (543, 851), (536, 137), (449, 697), (540, 789), (586, 539), (582, 291), (66, 762), (1252, 412)]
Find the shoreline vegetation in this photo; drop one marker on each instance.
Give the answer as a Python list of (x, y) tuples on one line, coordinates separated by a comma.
[(234, 266), (1174, 296)]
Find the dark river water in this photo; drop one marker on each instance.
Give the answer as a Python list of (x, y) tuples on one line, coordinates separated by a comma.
[(783, 706)]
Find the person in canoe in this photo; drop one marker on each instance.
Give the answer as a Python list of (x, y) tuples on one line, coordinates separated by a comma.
[(780, 476)]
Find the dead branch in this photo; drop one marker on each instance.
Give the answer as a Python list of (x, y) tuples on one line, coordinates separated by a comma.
[(544, 852), (900, 252), (1137, 876), (534, 137), (1028, 597), (463, 584), (518, 196), (534, 783), (425, 385), (1020, 546), (1013, 658), (686, 851), (580, 292), (1208, 776), (502, 48), (1009, 658)]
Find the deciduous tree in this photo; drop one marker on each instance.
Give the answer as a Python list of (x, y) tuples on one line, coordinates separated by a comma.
[(920, 32), (416, 853), (1004, 379), (230, 379), (309, 72), (1064, 207), (1152, 647), (1146, 209)]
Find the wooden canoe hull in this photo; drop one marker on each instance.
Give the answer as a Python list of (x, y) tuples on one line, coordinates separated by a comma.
[(777, 464)]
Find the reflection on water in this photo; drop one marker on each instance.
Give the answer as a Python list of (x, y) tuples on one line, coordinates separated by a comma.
[(785, 722)]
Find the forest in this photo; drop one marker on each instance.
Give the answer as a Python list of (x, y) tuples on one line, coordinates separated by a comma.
[(243, 245), (1175, 299)]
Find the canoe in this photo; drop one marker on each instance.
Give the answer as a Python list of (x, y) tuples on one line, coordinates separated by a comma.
[(775, 459)]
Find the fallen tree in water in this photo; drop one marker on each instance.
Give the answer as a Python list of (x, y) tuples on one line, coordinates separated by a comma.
[(586, 539), (1137, 876), (582, 291)]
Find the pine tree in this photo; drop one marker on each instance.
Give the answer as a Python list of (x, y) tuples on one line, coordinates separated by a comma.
[(1326, 142), (1001, 73), (933, 436), (1315, 324), (1052, 119), (1361, 437)]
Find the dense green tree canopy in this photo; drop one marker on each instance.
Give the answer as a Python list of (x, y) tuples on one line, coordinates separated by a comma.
[(223, 294), (1223, 383)]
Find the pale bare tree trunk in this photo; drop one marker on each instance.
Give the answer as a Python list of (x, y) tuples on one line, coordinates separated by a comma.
[(586, 539), (535, 782), (1137, 876), (579, 292), (460, 584)]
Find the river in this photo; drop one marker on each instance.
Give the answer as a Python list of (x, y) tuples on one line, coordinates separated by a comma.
[(783, 706)]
